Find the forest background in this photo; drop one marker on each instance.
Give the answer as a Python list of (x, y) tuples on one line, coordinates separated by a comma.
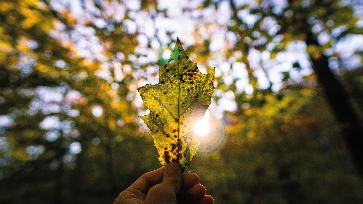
[(286, 115)]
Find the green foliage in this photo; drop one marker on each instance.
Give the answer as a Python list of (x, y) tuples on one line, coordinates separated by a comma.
[(181, 98)]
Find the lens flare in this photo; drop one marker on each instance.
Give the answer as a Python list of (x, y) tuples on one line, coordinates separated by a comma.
[(202, 127), (210, 131)]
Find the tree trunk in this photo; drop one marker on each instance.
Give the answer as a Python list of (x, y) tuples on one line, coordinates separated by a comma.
[(340, 104)]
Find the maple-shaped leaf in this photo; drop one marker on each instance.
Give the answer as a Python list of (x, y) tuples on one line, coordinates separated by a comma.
[(179, 100)]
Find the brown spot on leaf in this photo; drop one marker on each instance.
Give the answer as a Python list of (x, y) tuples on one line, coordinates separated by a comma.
[(173, 146), (167, 156)]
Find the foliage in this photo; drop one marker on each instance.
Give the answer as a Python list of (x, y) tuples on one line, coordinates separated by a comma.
[(69, 125), (181, 98), (289, 151), (49, 93)]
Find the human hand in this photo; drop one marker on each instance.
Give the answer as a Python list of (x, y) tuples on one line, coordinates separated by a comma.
[(165, 185)]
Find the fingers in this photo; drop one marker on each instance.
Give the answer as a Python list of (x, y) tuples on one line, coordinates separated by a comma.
[(166, 191), (197, 194), (193, 191), (149, 179), (137, 190), (189, 180), (207, 199), (172, 176), (163, 184)]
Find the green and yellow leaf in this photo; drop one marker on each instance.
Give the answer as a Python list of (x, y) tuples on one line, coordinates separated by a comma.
[(179, 99)]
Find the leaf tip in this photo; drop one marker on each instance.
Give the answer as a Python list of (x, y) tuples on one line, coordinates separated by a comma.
[(178, 44)]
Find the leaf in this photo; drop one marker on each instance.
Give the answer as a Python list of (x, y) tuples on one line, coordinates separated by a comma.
[(161, 61), (179, 99)]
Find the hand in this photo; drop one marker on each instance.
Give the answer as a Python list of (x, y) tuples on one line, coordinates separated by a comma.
[(165, 185)]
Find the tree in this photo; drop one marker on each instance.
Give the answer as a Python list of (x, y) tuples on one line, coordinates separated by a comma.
[(295, 21), (62, 114), (69, 130)]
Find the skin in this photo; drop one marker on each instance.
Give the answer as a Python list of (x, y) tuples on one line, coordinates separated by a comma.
[(166, 185)]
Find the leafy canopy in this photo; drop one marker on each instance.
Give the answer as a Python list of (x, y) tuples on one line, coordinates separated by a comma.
[(179, 99)]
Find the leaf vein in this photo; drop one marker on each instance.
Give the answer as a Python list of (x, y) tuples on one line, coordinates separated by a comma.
[(164, 106)]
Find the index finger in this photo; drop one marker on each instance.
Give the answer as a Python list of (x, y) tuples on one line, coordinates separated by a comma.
[(137, 190), (149, 179)]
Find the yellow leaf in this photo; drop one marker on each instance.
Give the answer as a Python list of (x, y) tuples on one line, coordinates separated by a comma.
[(175, 103)]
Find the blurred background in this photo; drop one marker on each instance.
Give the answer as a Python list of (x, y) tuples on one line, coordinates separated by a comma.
[(284, 126)]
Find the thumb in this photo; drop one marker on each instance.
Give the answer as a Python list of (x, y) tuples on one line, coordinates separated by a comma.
[(172, 176), (166, 191)]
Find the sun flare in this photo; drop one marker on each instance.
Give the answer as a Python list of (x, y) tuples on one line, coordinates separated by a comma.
[(202, 127)]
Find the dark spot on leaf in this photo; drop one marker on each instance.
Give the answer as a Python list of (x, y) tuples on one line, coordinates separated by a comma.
[(173, 146), (167, 156)]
